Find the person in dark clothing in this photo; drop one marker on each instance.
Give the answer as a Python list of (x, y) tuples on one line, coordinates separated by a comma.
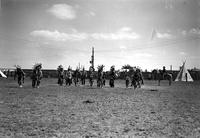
[(91, 75), (68, 78), (164, 72), (60, 71), (83, 76), (20, 74), (164, 69), (36, 75), (112, 76)]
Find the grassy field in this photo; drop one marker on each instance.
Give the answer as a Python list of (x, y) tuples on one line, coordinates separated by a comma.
[(84, 112)]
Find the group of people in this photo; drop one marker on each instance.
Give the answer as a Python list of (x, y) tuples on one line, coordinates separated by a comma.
[(79, 76), (36, 75), (134, 77), (69, 76)]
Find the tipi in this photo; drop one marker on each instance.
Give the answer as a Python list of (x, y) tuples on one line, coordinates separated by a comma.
[(183, 74), (2, 74)]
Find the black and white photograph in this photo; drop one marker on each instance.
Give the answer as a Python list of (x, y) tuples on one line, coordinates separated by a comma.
[(99, 68)]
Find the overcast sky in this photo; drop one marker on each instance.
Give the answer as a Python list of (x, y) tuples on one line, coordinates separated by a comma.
[(145, 33)]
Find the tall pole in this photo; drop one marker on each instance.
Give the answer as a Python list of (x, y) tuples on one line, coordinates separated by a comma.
[(92, 58)]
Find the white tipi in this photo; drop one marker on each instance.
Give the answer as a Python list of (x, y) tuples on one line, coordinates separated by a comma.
[(2, 74), (183, 74)]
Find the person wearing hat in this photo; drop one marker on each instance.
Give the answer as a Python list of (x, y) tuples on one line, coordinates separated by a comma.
[(20, 74)]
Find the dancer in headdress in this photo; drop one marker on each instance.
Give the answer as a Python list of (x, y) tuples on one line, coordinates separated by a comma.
[(91, 75), (60, 71), (19, 73), (112, 75), (37, 75), (68, 76)]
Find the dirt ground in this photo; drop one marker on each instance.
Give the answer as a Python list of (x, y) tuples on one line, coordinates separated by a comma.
[(83, 112)]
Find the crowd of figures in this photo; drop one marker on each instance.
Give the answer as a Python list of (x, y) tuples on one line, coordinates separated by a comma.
[(79, 76), (36, 75), (133, 77)]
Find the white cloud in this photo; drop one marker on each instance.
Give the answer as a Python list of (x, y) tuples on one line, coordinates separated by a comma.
[(195, 31), (57, 36), (125, 29), (124, 33), (184, 32), (164, 35), (123, 52), (182, 53), (123, 47), (191, 32), (63, 11), (92, 13), (147, 55), (168, 4)]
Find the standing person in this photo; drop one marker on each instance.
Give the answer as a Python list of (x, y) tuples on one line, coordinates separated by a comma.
[(127, 79), (186, 77), (104, 79), (68, 78), (83, 76), (37, 75), (164, 72), (136, 78), (91, 75), (100, 76), (76, 76), (164, 69), (19, 73), (60, 71), (139, 71), (112, 76)]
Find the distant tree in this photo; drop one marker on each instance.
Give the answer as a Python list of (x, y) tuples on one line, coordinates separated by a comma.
[(127, 67)]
